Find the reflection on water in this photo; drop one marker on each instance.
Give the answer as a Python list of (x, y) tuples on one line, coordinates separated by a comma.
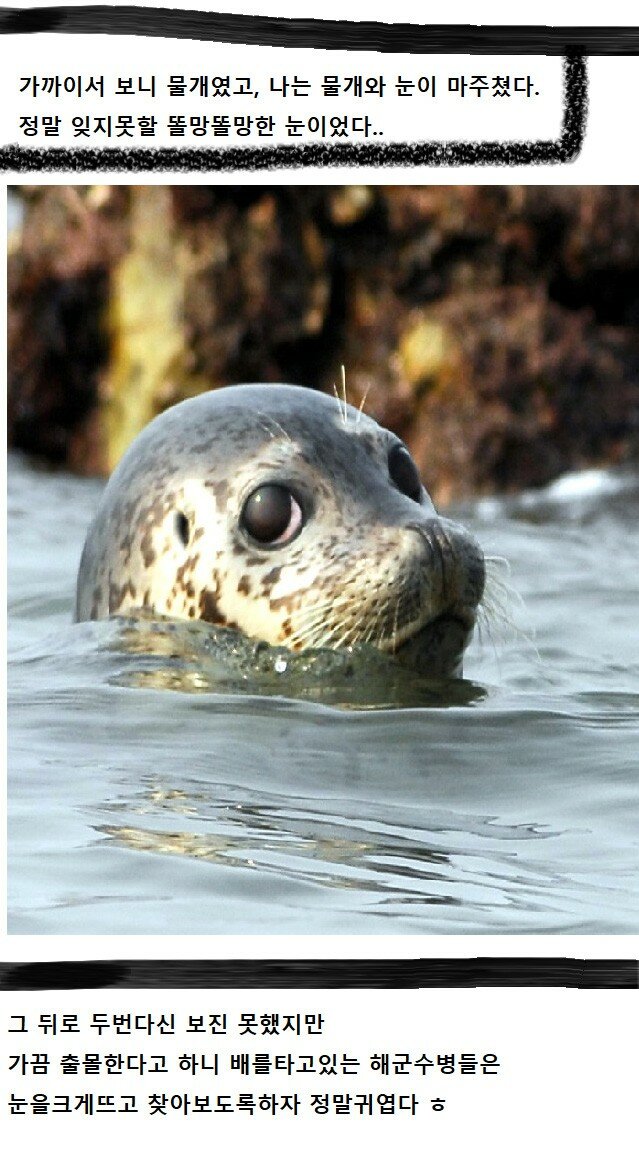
[(170, 779)]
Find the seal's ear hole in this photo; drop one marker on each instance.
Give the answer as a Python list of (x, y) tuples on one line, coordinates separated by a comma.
[(182, 528), (404, 473)]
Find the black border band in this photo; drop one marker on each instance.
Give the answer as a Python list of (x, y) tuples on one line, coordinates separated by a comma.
[(329, 974), (362, 36)]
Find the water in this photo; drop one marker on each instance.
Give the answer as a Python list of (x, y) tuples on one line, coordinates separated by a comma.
[(163, 794)]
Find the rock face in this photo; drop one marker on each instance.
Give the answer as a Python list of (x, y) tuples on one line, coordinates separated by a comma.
[(496, 328)]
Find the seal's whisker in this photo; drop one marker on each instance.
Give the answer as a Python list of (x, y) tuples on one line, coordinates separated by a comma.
[(355, 634), (349, 634), (360, 409), (495, 620), (380, 637), (307, 637), (499, 593), (279, 429), (330, 635), (341, 399), (338, 401), (316, 613), (343, 370), (345, 639), (395, 618), (324, 624), (312, 629), (369, 634)]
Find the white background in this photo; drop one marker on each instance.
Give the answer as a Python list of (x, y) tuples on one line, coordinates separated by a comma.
[(566, 1082), (571, 1073)]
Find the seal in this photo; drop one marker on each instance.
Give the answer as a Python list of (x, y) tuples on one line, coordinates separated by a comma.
[(289, 516)]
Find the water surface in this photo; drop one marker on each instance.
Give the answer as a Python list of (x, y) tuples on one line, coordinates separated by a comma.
[(164, 794)]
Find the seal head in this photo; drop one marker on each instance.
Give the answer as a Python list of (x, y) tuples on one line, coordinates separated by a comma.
[(289, 516)]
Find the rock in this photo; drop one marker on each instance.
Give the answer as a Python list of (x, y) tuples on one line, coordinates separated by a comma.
[(494, 327)]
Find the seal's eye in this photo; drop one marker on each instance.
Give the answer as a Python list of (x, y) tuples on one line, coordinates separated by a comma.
[(404, 473), (272, 515), (182, 528)]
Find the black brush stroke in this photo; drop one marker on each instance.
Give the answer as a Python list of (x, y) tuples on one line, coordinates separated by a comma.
[(19, 159), (284, 32), (329, 974)]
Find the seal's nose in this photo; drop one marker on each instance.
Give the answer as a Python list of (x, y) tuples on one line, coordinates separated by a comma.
[(471, 564), (461, 564)]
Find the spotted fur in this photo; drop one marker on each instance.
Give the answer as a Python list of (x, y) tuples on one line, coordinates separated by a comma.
[(369, 565)]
